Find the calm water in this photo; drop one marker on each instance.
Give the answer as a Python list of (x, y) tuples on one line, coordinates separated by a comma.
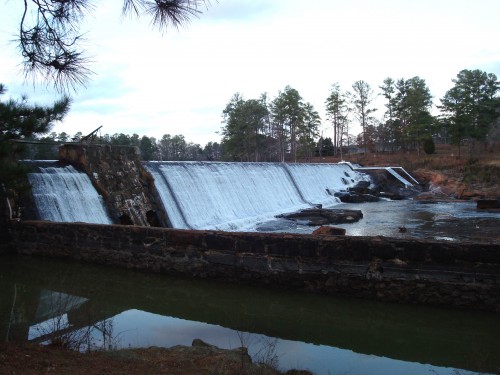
[(324, 334)]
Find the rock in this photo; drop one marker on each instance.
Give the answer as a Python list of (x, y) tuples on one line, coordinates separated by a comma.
[(384, 185), (357, 198), (200, 342), (453, 186), (118, 175), (317, 221), (317, 217), (237, 354), (432, 197), (428, 195), (362, 187), (488, 203), (342, 195), (390, 195), (329, 231), (465, 193)]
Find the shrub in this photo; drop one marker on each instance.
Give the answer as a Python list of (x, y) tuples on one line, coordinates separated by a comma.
[(429, 146)]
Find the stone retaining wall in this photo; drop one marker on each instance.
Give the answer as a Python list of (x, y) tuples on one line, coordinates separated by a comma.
[(410, 271)]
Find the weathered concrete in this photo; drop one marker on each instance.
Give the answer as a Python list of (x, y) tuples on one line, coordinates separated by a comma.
[(117, 174), (410, 271)]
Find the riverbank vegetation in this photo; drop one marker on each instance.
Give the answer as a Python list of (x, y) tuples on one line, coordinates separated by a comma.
[(200, 358)]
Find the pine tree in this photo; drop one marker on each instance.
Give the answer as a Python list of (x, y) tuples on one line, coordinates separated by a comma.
[(470, 106), (50, 41), (20, 120)]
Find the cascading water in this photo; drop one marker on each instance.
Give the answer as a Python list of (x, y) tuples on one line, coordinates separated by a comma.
[(236, 196), (318, 182), (200, 195), (63, 194)]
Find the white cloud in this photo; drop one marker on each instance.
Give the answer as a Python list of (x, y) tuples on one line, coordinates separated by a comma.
[(180, 82)]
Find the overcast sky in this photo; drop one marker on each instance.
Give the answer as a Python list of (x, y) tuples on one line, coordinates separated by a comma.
[(180, 82)]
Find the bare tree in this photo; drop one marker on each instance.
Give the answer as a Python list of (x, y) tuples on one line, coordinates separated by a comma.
[(337, 110), (361, 99)]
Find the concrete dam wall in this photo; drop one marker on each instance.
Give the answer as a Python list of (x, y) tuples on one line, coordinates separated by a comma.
[(464, 275)]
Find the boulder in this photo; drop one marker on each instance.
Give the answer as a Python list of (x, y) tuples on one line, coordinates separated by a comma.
[(488, 203), (356, 198), (391, 196), (329, 231), (323, 216), (362, 187)]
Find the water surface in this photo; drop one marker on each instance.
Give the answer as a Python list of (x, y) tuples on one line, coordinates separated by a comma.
[(450, 221), (324, 334)]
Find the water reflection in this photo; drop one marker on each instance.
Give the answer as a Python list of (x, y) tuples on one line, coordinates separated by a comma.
[(54, 318), (320, 333)]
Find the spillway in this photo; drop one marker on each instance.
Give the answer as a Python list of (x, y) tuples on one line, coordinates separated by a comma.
[(199, 195), (66, 195), (236, 196)]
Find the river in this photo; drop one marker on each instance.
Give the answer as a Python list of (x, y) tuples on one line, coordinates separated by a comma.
[(326, 335), (448, 221)]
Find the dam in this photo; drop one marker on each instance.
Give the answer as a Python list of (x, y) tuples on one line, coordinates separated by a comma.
[(186, 195), (308, 278), (190, 219), (61, 193), (235, 196)]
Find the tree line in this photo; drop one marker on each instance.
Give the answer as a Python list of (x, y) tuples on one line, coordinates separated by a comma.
[(286, 127), (168, 147)]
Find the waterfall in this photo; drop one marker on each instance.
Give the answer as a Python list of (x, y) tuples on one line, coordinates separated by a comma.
[(236, 196), (318, 182), (200, 195), (66, 195)]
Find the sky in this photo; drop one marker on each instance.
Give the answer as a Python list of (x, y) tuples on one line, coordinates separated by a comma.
[(179, 82)]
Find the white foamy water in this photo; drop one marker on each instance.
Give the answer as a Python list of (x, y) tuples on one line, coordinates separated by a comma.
[(318, 182), (236, 196), (65, 195)]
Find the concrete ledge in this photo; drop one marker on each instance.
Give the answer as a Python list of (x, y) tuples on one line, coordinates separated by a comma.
[(411, 271)]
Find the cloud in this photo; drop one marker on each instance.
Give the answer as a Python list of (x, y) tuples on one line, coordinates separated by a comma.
[(180, 82), (239, 10)]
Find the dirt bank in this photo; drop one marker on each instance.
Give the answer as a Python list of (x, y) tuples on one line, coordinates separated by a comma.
[(454, 185), (28, 359), (470, 176)]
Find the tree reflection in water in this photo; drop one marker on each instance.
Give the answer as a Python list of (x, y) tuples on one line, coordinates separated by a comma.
[(62, 320)]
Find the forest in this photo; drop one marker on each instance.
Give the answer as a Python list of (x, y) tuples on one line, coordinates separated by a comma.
[(288, 128)]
